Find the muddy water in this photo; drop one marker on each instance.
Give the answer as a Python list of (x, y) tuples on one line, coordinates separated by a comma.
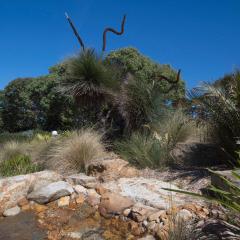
[(22, 227), (82, 222)]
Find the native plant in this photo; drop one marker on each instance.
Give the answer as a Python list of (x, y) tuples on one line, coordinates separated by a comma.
[(220, 105), (152, 146), (228, 197)]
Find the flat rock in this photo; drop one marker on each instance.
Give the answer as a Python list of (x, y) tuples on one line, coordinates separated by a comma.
[(82, 179), (51, 192), (147, 191), (141, 212), (12, 211)]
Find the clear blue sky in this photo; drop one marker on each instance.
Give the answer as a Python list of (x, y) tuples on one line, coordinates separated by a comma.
[(202, 37)]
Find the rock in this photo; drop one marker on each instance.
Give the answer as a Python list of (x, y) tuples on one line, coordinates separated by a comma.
[(22, 202), (12, 211), (213, 229), (83, 179), (93, 198), (148, 191), (51, 192), (141, 212), (38, 208), (13, 189), (184, 214), (148, 237), (126, 212), (44, 178), (111, 169), (64, 201), (112, 203), (156, 215), (80, 199), (80, 189)]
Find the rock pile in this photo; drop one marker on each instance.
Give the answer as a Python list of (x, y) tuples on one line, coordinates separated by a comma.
[(139, 205)]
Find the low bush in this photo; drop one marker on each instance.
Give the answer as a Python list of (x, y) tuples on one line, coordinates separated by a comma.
[(74, 151)]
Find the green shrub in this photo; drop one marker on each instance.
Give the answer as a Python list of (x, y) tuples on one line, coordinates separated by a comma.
[(152, 147), (74, 151), (18, 165), (143, 150), (220, 105)]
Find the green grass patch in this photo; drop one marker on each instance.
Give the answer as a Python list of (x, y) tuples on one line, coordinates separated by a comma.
[(18, 165)]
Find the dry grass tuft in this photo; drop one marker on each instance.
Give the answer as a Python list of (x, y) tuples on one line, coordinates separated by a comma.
[(74, 152)]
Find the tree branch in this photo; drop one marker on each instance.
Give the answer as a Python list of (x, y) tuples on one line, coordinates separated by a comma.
[(75, 31), (113, 31)]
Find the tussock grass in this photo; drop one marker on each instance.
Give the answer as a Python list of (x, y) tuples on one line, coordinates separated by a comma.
[(73, 153)]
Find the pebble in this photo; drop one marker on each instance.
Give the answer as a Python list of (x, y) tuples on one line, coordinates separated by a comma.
[(12, 211)]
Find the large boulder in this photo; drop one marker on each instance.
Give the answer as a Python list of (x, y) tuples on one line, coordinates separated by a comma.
[(51, 192), (13, 189)]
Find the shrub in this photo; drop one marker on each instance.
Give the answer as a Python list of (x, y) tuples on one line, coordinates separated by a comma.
[(17, 165), (220, 104), (74, 152), (143, 150), (152, 147)]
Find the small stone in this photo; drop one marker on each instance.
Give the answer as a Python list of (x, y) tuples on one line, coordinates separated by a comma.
[(23, 201), (26, 207), (184, 214), (148, 237), (141, 212), (145, 223), (93, 197), (12, 211), (80, 199), (80, 189), (83, 179), (63, 201), (151, 225), (39, 208), (126, 212), (155, 216)]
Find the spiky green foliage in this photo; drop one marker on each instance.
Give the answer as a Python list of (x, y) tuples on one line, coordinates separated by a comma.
[(152, 147), (229, 199), (221, 106), (88, 79), (140, 103), (143, 150)]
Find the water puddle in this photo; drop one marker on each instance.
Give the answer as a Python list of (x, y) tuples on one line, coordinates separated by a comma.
[(82, 222)]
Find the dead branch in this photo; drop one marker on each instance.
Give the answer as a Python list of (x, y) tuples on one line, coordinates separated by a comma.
[(172, 82), (75, 31), (113, 31)]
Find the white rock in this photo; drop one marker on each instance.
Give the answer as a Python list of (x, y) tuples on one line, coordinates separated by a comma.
[(12, 211), (184, 214), (51, 192), (148, 237), (147, 191), (80, 189)]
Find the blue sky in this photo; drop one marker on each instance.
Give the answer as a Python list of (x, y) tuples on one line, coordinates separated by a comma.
[(202, 37)]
